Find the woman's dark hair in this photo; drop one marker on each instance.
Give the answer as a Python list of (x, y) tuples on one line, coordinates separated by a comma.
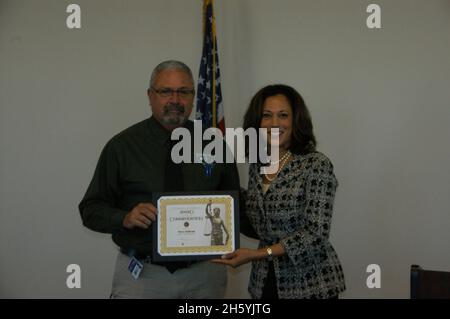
[(303, 140)]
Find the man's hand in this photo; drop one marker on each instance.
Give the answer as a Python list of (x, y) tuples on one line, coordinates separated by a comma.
[(141, 216)]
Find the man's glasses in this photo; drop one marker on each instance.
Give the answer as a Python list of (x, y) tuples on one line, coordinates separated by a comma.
[(167, 92)]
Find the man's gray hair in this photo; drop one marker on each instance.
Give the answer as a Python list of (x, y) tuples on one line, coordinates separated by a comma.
[(170, 65)]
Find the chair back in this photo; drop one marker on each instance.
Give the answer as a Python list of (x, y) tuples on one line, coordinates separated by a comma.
[(429, 284)]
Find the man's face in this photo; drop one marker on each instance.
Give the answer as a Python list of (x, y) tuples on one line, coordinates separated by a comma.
[(171, 109)]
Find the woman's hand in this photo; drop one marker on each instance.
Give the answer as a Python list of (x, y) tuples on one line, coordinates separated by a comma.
[(240, 257)]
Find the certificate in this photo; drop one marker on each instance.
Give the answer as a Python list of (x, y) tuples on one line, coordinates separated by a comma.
[(195, 226)]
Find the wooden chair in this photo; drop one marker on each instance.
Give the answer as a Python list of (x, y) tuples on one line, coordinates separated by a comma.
[(429, 284)]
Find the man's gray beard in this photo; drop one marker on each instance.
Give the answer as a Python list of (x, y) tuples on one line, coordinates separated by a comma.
[(169, 119), (173, 119)]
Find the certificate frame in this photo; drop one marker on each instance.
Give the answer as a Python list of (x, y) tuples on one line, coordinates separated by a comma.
[(179, 230)]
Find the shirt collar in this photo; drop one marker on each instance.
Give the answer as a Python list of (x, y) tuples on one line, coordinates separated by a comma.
[(161, 134)]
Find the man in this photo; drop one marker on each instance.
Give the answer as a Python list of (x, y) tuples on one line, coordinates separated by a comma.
[(133, 165)]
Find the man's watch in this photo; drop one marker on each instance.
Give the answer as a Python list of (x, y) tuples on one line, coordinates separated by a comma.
[(269, 253)]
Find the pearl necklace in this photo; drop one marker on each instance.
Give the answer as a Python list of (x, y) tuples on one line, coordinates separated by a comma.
[(283, 158), (282, 162)]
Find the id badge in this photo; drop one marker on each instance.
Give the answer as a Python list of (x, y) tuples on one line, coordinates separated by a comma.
[(135, 267), (207, 161)]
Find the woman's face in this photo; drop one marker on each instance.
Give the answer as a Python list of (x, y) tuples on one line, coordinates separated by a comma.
[(277, 113)]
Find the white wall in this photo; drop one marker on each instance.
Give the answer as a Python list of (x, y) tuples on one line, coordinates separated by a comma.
[(379, 101)]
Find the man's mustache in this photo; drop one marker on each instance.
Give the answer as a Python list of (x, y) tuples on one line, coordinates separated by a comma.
[(173, 107)]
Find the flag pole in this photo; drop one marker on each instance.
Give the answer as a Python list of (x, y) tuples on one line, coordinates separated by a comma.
[(213, 30)]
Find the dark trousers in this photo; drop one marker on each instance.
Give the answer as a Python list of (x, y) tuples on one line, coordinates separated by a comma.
[(270, 290)]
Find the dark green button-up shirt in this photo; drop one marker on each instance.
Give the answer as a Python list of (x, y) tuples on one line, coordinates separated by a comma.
[(130, 170)]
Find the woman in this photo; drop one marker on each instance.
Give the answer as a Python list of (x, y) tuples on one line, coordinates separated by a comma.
[(290, 210)]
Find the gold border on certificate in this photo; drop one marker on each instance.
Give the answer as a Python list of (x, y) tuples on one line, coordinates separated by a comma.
[(196, 225)]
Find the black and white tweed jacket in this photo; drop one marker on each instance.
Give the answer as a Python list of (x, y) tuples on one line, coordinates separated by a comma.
[(296, 211)]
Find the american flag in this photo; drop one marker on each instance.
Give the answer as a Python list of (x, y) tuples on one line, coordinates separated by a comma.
[(209, 93)]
